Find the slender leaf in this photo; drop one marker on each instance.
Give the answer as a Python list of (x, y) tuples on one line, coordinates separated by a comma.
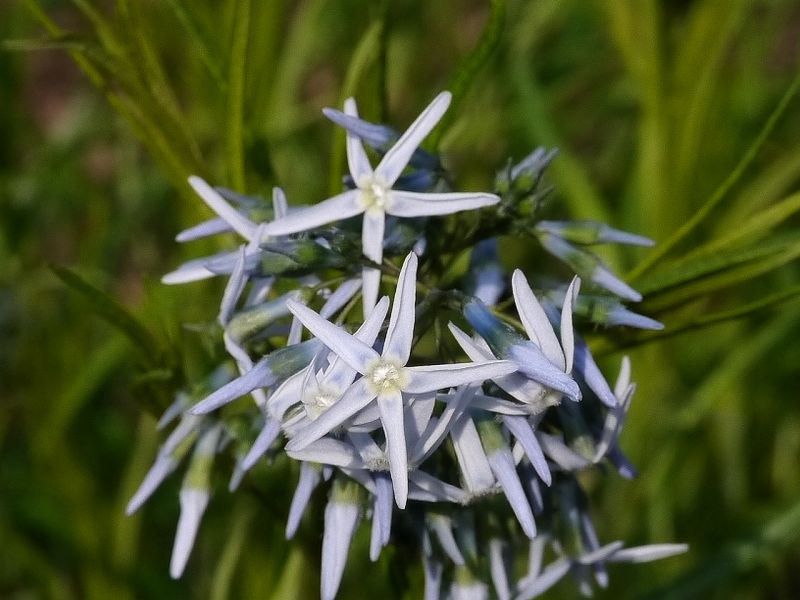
[(365, 56), (665, 247), (234, 139), (113, 312), (713, 283), (467, 70), (708, 263)]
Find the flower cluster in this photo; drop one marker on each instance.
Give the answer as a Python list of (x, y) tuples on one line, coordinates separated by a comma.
[(470, 442)]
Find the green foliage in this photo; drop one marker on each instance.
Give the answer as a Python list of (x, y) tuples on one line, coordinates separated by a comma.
[(677, 120)]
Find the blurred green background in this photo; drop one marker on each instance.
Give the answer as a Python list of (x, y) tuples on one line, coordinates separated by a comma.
[(106, 107)]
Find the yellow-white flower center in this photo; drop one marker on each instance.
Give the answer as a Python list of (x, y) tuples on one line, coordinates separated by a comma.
[(318, 400), (374, 193), (386, 376)]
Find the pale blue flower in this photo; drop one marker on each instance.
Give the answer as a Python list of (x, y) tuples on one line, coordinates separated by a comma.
[(385, 376), (375, 195)]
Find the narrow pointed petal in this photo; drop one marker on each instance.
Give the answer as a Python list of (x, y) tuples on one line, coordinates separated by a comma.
[(475, 468), (391, 407), (370, 285), (173, 411), (287, 394), (521, 429), (396, 159), (354, 352), (433, 571), (357, 159), (238, 222), (502, 465), (366, 447), (624, 378), (567, 333), (535, 555), (259, 376), (190, 271), (354, 399), (561, 454), (433, 437), (188, 426), (531, 393), (426, 204), (606, 279), (233, 289), (329, 451), (372, 230), (535, 321), (588, 369), (341, 206), (336, 301), (264, 440), (600, 554), (401, 322), (310, 476), (193, 505), (280, 207), (640, 554), (500, 406), (437, 377), (161, 469), (372, 246), (552, 574), (340, 374), (534, 365), (377, 136), (442, 528), (381, 515), (427, 488), (295, 332), (201, 230), (340, 524), (497, 568), (417, 417), (617, 236)]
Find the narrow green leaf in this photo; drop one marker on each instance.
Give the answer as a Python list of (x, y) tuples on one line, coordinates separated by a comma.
[(700, 322), (714, 26), (221, 583), (581, 196), (665, 247), (467, 70), (735, 559), (234, 139), (67, 41), (206, 48), (708, 263), (365, 57), (148, 63), (112, 311), (753, 228)]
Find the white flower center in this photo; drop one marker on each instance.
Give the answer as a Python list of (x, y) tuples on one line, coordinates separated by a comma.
[(319, 400), (386, 376), (374, 193)]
